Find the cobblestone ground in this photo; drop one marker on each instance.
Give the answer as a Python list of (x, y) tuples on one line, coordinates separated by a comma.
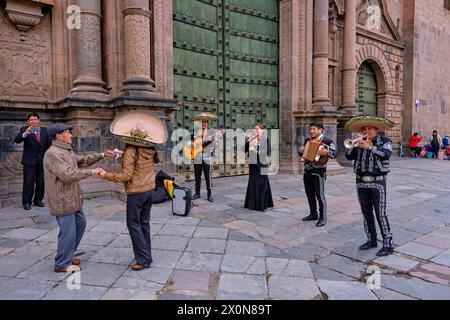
[(223, 251)]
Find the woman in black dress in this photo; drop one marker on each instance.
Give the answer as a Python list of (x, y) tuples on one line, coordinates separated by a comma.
[(259, 195)]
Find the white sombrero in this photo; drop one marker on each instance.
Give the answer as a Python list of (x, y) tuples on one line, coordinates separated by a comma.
[(204, 116), (139, 128), (357, 123)]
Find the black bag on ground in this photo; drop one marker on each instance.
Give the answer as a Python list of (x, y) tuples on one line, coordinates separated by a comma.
[(160, 193)]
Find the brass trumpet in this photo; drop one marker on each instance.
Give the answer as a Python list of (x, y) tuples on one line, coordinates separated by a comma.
[(349, 143)]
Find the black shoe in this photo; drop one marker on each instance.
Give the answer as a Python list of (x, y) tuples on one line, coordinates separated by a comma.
[(39, 204), (196, 196), (322, 222), (368, 245), (210, 198), (311, 217), (27, 206), (385, 251)]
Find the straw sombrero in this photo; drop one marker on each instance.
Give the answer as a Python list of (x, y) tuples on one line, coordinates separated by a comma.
[(139, 128), (357, 123), (204, 116)]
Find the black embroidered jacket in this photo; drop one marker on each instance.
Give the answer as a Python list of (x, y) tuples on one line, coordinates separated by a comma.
[(375, 160)]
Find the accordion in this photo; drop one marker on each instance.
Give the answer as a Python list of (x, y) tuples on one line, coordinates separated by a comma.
[(311, 153)]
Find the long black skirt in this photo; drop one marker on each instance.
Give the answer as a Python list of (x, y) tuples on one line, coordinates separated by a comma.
[(259, 195)]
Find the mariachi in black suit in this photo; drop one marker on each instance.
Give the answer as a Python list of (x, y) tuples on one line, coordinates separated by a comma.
[(32, 161)]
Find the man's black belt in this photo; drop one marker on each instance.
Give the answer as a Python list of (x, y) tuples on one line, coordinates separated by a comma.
[(368, 179)]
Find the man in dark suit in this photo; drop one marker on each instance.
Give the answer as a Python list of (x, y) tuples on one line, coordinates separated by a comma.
[(36, 142)]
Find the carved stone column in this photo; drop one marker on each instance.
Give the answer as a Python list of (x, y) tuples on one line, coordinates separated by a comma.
[(89, 50), (349, 59), (138, 80), (320, 56)]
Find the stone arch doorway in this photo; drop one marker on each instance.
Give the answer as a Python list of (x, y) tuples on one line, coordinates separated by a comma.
[(366, 90)]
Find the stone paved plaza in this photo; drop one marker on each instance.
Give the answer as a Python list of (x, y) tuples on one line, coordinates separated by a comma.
[(222, 251)]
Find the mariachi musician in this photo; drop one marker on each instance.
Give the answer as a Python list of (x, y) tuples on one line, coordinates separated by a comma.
[(203, 147), (316, 152), (370, 153)]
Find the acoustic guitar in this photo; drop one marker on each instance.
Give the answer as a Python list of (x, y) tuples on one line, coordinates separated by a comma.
[(193, 148)]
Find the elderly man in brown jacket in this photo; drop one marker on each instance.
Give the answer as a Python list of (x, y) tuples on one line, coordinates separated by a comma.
[(62, 176)]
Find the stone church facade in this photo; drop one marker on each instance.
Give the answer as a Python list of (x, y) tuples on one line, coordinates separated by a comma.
[(286, 63)]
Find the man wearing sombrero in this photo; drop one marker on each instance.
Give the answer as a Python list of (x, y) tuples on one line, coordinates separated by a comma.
[(371, 153), (203, 159)]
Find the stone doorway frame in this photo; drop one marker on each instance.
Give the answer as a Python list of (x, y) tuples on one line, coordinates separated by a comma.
[(385, 82)]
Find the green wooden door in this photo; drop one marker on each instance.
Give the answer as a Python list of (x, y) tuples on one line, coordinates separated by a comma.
[(366, 90), (226, 63)]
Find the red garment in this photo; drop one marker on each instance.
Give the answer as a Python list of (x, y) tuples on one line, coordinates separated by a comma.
[(414, 141), (38, 137)]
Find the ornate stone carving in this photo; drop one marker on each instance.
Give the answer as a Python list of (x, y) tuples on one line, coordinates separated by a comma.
[(88, 51), (158, 34), (137, 49), (25, 67)]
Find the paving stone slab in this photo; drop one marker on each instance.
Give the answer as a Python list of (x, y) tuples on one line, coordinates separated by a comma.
[(258, 267), (152, 279), (346, 290), (397, 263), (211, 233), (100, 274), (24, 289), (402, 236), (165, 258), (239, 236), (245, 248), (435, 240), (206, 245), (343, 265), (351, 250), (122, 241), (111, 255), (298, 268), (386, 294), (321, 272), (174, 296), (24, 234), (419, 250), (62, 292), (236, 263), (16, 223), (289, 288), (85, 252), (416, 288), (170, 242), (433, 273), (37, 249), (4, 251), (177, 230), (443, 258), (421, 226), (110, 226), (186, 221), (200, 262), (189, 281), (242, 287), (51, 236), (10, 265), (43, 270), (98, 238), (129, 294)]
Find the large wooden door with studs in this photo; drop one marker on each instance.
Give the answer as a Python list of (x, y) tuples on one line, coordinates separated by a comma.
[(226, 63)]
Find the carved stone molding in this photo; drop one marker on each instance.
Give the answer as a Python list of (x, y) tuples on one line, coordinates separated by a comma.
[(25, 15)]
